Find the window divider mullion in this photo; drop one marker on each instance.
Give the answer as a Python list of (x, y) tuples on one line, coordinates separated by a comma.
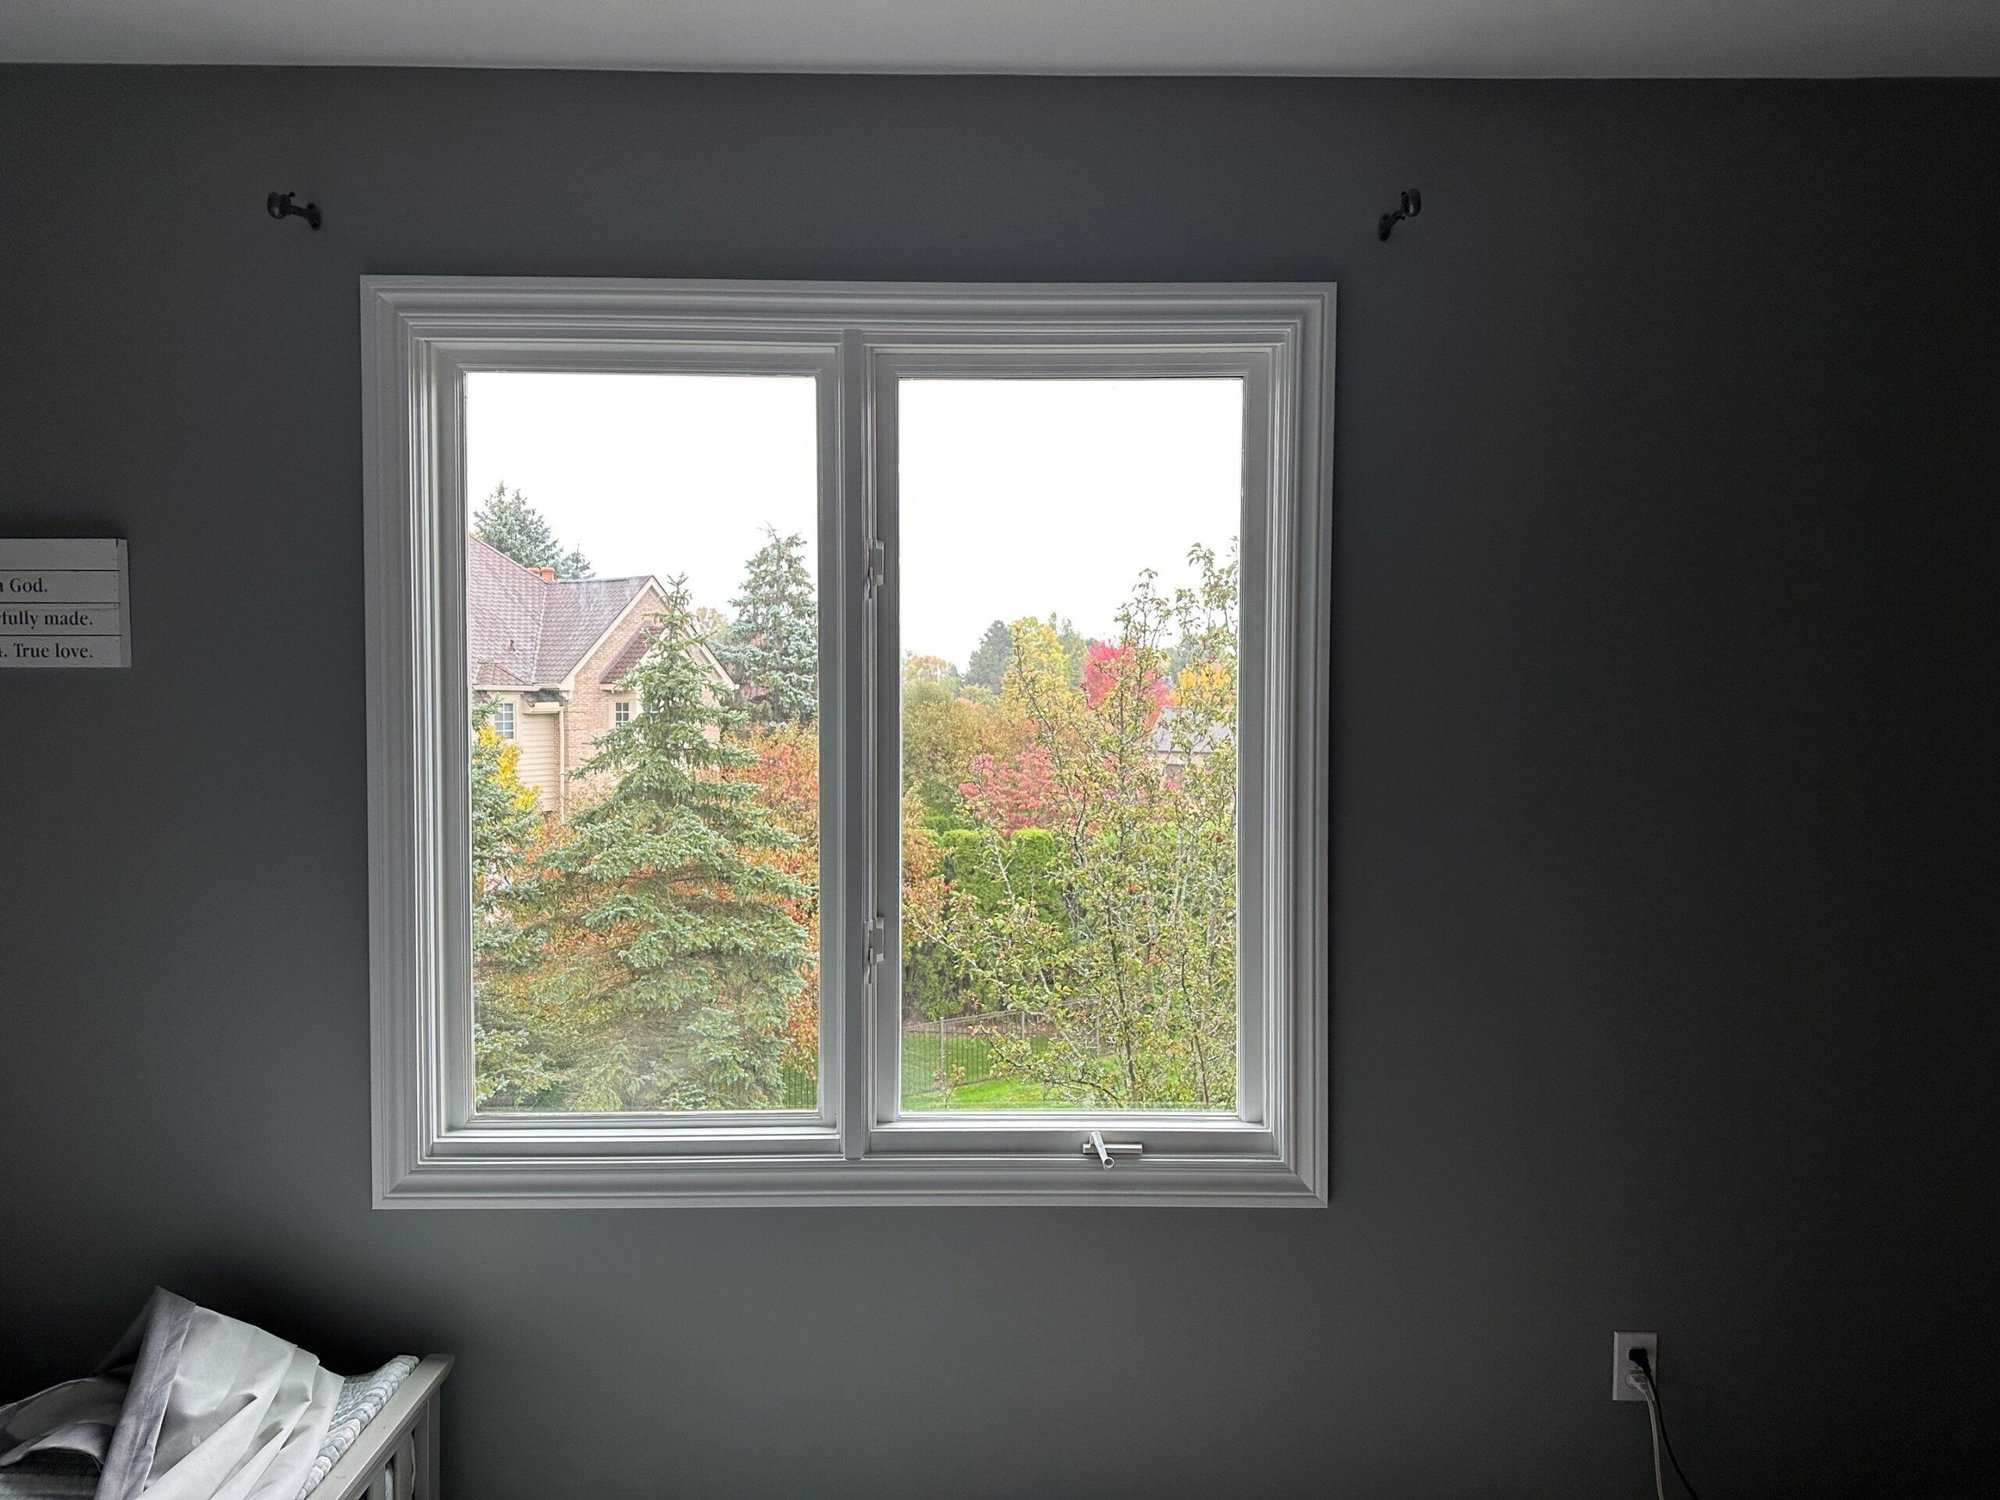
[(852, 798), (885, 727)]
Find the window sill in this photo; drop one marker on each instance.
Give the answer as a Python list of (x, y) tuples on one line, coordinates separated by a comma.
[(804, 1180), (795, 1158)]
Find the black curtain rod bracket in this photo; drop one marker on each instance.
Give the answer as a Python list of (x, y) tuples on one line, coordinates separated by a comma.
[(280, 206), (1413, 204)]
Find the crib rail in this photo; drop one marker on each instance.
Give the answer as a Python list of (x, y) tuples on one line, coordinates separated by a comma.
[(396, 1455)]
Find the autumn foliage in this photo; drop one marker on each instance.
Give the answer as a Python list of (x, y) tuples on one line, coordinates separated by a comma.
[(1068, 860)]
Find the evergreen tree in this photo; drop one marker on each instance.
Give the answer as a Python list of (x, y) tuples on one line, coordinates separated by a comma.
[(772, 649), (503, 812), (656, 955), (507, 523), (510, 1062), (990, 657)]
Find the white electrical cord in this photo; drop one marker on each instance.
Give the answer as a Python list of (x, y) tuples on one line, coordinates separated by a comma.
[(1645, 1387)]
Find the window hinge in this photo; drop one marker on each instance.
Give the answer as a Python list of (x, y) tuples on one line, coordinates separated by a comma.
[(877, 567), (874, 944), (1109, 1154)]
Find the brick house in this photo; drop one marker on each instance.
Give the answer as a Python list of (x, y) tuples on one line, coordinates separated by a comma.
[(550, 654)]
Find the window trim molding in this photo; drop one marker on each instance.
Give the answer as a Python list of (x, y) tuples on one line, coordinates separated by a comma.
[(419, 336)]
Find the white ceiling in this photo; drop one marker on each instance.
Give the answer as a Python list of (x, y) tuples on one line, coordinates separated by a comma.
[(1445, 38)]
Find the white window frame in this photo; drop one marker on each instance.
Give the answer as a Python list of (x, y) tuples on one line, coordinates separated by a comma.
[(504, 719), (431, 1149), (621, 712)]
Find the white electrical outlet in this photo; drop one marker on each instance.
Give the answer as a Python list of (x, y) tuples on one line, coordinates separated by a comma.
[(1622, 1345)]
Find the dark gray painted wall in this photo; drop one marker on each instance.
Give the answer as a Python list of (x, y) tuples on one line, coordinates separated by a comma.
[(1663, 945)]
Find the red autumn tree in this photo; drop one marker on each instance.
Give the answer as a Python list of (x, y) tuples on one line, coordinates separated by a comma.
[(1010, 794), (1104, 665)]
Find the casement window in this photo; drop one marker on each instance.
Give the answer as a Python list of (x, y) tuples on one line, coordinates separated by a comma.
[(961, 831)]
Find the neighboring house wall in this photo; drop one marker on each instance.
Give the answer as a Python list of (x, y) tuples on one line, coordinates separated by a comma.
[(591, 697), (556, 649), (538, 767)]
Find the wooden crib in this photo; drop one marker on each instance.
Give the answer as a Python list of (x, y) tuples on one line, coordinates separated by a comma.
[(395, 1457)]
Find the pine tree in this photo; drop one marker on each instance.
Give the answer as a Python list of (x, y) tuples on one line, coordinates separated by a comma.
[(657, 939), (503, 811), (507, 523), (772, 649), (990, 657), (509, 1063)]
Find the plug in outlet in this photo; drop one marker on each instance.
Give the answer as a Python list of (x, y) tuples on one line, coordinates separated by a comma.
[(1622, 1345)]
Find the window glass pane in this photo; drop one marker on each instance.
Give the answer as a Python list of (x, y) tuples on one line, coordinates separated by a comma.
[(640, 576), (1068, 623)]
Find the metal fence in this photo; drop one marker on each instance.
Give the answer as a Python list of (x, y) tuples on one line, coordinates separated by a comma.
[(954, 1051), (937, 1055)]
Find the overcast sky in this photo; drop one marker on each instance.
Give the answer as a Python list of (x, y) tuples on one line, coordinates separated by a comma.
[(1018, 497)]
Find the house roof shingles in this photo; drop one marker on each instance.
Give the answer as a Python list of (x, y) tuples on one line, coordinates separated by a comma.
[(578, 614), (628, 657), (522, 630)]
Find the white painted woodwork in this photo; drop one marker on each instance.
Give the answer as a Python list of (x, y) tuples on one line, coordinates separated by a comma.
[(1355, 38), (421, 336), (396, 1455)]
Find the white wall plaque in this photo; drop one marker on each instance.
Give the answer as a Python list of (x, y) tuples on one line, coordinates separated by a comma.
[(63, 604)]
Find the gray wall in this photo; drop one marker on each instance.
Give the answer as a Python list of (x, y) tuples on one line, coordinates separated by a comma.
[(1663, 953)]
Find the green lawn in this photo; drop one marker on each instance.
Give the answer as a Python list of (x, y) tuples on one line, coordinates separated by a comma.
[(920, 1077), (995, 1093), (920, 1056)]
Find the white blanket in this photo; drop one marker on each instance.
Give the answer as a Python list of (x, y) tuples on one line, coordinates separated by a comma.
[(190, 1405)]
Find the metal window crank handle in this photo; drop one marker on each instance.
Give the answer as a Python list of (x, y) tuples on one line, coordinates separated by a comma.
[(1109, 1155)]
